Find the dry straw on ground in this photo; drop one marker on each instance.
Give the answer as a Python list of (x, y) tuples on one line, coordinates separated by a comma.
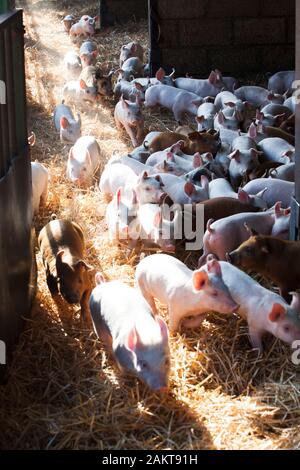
[(63, 390)]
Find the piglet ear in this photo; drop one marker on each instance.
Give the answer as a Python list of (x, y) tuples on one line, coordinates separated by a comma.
[(163, 328), (259, 115), (221, 117), (214, 267), (235, 155), (157, 219), (197, 160), (64, 122), (243, 196), (99, 279), (278, 210), (82, 84), (144, 175), (158, 178), (189, 189), (134, 197), (199, 279), (160, 74), (252, 131), (59, 256), (213, 77), (88, 158), (71, 156), (278, 311), (170, 156), (119, 196), (204, 182), (82, 264), (133, 341), (199, 119)]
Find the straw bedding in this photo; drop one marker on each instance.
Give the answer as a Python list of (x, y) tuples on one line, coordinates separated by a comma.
[(63, 391)]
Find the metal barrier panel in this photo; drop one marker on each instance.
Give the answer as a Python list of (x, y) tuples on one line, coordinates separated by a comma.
[(17, 263)]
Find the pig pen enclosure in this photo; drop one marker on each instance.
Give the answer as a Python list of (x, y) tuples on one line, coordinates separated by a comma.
[(63, 391)]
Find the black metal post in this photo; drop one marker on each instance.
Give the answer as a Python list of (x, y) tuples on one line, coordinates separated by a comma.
[(154, 50), (295, 206)]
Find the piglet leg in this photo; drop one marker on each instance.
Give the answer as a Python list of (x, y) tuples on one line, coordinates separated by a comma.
[(255, 339)]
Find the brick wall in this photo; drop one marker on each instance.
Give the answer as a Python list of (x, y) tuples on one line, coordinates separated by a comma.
[(236, 36), (120, 11)]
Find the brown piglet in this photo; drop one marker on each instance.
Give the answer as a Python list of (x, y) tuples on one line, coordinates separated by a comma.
[(276, 259), (202, 142), (61, 243)]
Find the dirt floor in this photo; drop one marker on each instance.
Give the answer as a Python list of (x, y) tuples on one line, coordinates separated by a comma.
[(63, 391)]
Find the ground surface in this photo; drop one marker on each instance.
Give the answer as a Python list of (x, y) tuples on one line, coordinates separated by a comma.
[(63, 390)]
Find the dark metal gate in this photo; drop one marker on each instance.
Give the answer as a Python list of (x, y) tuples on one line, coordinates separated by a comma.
[(17, 284)]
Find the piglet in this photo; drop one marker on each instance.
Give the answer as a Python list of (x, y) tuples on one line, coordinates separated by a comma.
[(282, 82), (291, 103), (114, 176), (202, 142), (85, 26), (61, 243), (161, 78), (40, 178), (186, 293), (132, 49), (277, 150), (69, 129), (120, 213), (178, 101), (156, 228), (68, 21), (79, 29), (225, 235), (93, 77), (135, 165), (220, 187), (275, 259), (272, 115), (77, 91), (284, 172), (203, 87), (182, 192), (137, 340), (278, 190), (72, 63), (129, 116), (129, 90), (244, 158), (131, 68), (83, 160), (257, 95), (205, 116), (88, 53), (265, 311)]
